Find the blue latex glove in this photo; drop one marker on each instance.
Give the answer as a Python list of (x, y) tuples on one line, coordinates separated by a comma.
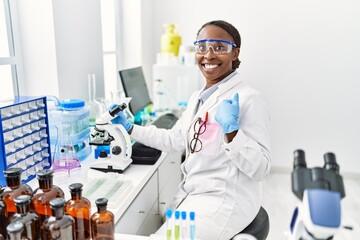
[(121, 119), (227, 114)]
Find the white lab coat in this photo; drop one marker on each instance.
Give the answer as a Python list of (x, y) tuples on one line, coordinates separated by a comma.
[(222, 182)]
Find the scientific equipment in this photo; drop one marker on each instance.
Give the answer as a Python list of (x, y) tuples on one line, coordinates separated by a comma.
[(30, 219), (79, 208), (115, 136), (65, 157), (95, 106), (14, 230), (320, 190), (170, 40), (3, 215), (46, 192), (24, 136), (102, 222), (14, 189), (59, 225), (70, 117), (111, 188), (169, 224)]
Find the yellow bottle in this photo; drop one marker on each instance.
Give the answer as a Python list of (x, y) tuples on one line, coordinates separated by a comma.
[(170, 40)]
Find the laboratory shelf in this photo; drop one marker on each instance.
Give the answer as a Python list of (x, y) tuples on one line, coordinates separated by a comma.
[(24, 136)]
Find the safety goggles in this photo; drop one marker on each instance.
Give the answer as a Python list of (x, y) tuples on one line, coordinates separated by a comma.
[(218, 46)]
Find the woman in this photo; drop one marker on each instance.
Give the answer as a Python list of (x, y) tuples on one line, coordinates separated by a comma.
[(225, 132)]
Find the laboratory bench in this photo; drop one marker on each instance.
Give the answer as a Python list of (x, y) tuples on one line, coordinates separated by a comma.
[(138, 208)]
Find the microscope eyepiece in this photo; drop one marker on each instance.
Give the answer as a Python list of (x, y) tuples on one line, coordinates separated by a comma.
[(299, 159), (117, 109), (330, 162)]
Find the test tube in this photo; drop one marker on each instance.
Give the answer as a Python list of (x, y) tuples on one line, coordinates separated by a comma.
[(192, 225), (169, 224), (184, 224), (177, 225)]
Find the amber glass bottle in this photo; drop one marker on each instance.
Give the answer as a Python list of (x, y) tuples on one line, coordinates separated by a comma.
[(14, 189), (102, 222), (14, 231), (59, 226), (42, 195), (29, 218), (3, 216), (79, 208)]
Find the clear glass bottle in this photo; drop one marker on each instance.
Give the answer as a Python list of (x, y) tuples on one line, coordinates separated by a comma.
[(14, 230), (14, 189), (59, 226), (46, 192), (79, 208), (29, 218), (65, 157), (95, 106), (3, 216), (102, 222)]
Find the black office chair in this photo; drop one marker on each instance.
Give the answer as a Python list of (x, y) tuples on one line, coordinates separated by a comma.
[(259, 227)]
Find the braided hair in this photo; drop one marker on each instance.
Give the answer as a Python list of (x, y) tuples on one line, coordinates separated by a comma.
[(231, 30)]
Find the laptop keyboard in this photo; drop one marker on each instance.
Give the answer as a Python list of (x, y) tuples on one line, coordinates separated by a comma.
[(166, 121)]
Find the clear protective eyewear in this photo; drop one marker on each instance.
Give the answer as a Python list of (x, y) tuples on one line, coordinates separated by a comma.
[(218, 46)]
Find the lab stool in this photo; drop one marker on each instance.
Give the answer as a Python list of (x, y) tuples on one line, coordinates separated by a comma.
[(259, 227)]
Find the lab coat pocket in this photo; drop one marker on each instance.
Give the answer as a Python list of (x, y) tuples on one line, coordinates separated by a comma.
[(210, 139)]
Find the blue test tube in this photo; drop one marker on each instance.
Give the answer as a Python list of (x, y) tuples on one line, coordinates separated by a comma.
[(192, 225), (168, 224), (177, 225), (184, 226)]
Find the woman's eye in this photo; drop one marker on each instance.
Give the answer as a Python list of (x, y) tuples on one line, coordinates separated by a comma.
[(219, 48)]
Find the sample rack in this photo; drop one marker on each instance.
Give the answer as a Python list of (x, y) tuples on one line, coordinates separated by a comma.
[(24, 136)]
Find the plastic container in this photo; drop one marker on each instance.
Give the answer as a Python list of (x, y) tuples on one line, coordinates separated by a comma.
[(74, 115), (170, 40)]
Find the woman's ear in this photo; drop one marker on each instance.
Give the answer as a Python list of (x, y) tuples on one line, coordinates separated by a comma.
[(236, 53)]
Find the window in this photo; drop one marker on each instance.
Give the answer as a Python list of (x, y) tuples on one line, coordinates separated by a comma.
[(108, 25), (8, 60)]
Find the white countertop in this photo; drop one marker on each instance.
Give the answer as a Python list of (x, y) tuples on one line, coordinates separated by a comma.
[(138, 175)]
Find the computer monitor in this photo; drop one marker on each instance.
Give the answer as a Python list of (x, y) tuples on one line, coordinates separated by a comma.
[(134, 85)]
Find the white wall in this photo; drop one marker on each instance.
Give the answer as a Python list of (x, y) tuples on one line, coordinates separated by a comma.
[(61, 43), (303, 56)]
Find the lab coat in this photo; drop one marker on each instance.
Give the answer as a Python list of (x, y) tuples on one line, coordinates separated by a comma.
[(222, 182)]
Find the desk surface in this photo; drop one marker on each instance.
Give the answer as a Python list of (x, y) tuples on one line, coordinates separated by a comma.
[(137, 174)]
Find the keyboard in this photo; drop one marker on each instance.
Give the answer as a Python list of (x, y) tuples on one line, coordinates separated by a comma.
[(166, 121)]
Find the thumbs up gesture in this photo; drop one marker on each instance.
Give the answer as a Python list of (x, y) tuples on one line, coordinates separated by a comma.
[(227, 114)]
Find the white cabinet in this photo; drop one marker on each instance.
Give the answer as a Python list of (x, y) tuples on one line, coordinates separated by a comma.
[(134, 217), (144, 215), (169, 178)]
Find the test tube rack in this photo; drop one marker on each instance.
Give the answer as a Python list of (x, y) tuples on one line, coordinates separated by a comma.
[(24, 136)]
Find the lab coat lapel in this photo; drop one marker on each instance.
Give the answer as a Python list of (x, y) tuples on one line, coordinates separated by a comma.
[(216, 96)]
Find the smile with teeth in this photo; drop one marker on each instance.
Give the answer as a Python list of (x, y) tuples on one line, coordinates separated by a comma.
[(210, 66)]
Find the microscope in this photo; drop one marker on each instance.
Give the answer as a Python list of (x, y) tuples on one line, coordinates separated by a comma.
[(320, 190), (115, 136)]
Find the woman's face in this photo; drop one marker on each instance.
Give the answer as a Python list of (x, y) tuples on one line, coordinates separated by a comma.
[(215, 67)]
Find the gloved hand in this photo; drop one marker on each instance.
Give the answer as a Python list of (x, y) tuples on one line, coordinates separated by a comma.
[(227, 114), (121, 119)]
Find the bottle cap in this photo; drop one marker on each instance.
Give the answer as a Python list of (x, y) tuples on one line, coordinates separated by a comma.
[(22, 200), (192, 216), (177, 215), (57, 203), (72, 103), (44, 174), (101, 202), (75, 187), (12, 172), (15, 227), (168, 213), (183, 215)]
